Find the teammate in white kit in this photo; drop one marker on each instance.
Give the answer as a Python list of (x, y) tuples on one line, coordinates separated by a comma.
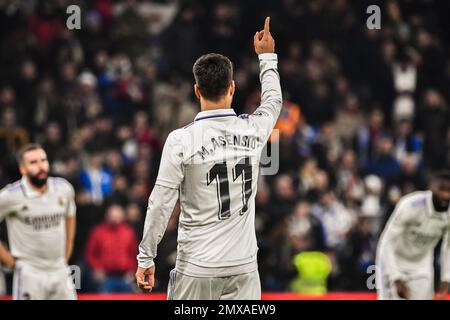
[(40, 218), (212, 166), (406, 249)]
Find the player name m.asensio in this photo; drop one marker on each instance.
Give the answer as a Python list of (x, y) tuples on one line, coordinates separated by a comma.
[(246, 141)]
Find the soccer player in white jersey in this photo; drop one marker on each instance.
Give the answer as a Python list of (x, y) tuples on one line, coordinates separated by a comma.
[(40, 218), (212, 166), (406, 249)]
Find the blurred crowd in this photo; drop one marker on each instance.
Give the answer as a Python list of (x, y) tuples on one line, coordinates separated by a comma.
[(365, 119)]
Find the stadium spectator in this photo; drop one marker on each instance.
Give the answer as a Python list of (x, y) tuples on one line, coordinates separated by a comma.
[(384, 164), (349, 119), (335, 218), (12, 135), (95, 178), (12, 138), (111, 252), (348, 178), (305, 230), (368, 136), (406, 142), (433, 121), (284, 196), (411, 177), (358, 254), (53, 142)]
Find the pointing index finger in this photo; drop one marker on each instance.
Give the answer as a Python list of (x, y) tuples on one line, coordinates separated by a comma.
[(266, 26)]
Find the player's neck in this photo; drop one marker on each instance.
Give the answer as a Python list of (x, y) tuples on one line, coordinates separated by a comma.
[(206, 105)]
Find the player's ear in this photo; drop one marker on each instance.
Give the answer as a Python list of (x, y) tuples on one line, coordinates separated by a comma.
[(232, 88), (197, 91), (22, 169)]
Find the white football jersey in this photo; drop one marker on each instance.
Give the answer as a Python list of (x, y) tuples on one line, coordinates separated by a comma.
[(36, 222), (214, 162), (406, 247)]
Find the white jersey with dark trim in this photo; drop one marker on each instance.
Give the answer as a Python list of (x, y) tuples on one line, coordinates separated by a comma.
[(214, 163), (406, 247), (36, 221)]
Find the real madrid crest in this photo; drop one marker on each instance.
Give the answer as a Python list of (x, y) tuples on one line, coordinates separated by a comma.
[(61, 200)]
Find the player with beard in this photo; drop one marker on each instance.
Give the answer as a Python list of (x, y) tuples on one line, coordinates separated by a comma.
[(40, 218), (406, 248)]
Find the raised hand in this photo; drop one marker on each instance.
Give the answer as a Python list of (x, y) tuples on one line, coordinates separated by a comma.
[(263, 40)]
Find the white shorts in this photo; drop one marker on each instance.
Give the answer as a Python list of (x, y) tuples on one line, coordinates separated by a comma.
[(421, 287), (245, 286), (30, 283)]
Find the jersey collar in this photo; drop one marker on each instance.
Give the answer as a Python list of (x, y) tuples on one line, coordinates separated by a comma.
[(30, 192), (216, 113)]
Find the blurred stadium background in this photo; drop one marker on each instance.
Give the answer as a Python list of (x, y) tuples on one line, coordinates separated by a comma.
[(365, 120)]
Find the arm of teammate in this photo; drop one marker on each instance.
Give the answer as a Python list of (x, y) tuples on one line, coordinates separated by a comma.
[(70, 223), (70, 236), (445, 266), (161, 202), (394, 230), (267, 113), (6, 258)]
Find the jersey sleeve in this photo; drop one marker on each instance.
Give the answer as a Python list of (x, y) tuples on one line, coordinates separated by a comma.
[(170, 172), (266, 115), (69, 195), (71, 206), (161, 202)]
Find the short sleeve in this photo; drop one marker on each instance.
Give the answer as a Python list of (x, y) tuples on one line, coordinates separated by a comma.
[(71, 206), (69, 195)]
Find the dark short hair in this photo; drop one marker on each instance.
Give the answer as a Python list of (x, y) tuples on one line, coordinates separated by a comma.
[(213, 74), (25, 149)]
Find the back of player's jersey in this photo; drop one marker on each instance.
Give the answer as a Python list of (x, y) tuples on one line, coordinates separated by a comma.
[(221, 165), (214, 162)]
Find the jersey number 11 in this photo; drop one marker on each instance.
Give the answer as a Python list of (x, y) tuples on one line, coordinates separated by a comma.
[(219, 173)]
